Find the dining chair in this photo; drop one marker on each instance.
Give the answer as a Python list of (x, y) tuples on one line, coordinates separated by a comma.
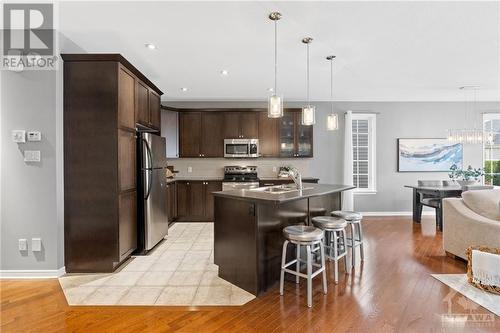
[(432, 201)]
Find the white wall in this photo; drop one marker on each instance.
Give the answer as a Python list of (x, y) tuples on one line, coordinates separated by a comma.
[(395, 120)]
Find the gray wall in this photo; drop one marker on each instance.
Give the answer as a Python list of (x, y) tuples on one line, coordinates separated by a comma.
[(28, 198), (395, 120)]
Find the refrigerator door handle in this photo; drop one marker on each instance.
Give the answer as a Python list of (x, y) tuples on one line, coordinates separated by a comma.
[(150, 178)]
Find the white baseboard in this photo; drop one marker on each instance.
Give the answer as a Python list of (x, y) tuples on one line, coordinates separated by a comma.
[(426, 213), (32, 273)]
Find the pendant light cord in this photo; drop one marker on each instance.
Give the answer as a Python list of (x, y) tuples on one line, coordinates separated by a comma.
[(331, 83), (307, 74), (275, 56)]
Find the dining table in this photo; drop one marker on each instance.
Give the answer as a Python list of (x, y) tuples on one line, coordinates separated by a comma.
[(438, 192)]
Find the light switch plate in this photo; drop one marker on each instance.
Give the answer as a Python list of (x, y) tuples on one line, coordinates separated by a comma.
[(23, 244), (36, 244), (32, 156), (190, 169), (19, 136), (274, 169), (34, 136)]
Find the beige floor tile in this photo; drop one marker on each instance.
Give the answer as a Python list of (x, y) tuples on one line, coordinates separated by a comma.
[(173, 254), (177, 296), (188, 278), (200, 265), (202, 246), (124, 279), (165, 266), (181, 245), (76, 280), (212, 295), (240, 296), (211, 278), (194, 256), (75, 296), (138, 265), (212, 267), (105, 296), (141, 296), (155, 279)]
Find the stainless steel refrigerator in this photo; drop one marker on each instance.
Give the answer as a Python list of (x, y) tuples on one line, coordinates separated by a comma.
[(153, 221)]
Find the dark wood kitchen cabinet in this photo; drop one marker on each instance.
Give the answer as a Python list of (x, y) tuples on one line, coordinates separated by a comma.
[(195, 200), (241, 125), (102, 105), (201, 134), (154, 110), (295, 139), (148, 106), (171, 201)]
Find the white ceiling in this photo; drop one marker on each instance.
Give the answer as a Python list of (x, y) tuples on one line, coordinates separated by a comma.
[(390, 51)]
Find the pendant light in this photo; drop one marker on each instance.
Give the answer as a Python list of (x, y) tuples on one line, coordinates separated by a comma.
[(308, 111), (332, 120), (471, 135), (275, 102)]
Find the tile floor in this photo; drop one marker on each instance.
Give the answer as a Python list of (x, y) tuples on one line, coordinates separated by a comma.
[(179, 271)]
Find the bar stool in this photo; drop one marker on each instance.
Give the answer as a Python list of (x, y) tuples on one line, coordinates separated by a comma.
[(335, 239), (356, 239), (309, 237)]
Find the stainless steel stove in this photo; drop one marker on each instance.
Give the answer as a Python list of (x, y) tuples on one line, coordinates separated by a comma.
[(240, 177)]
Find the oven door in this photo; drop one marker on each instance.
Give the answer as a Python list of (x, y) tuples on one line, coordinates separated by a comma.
[(236, 148)]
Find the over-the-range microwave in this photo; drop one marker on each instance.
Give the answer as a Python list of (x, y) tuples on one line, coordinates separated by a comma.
[(241, 148)]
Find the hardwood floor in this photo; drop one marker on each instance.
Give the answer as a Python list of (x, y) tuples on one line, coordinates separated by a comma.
[(391, 292)]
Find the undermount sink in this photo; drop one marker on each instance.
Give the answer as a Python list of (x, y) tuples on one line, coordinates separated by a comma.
[(278, 189)]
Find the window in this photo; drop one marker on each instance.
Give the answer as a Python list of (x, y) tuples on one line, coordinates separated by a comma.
[(363, 152), (491, 149)]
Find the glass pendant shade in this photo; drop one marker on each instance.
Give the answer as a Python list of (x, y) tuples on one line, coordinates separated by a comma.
[(332, 122), (275, 106), (469, 136), (308, 115)]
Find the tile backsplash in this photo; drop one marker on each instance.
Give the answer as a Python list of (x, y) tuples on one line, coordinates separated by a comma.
[(214, 167)]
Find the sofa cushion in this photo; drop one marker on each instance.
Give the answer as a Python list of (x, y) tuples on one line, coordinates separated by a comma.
[(484, 202)]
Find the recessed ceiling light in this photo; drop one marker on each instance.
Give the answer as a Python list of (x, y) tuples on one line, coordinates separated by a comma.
[(224, 72), (150, 46), (184, 89), (270, 89)]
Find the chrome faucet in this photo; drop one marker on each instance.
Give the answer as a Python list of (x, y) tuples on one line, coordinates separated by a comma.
[(294, 174)]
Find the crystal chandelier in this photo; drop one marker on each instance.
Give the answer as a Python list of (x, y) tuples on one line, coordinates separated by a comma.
[(332, 120), (275, 101), (471, 135), (308, 111)]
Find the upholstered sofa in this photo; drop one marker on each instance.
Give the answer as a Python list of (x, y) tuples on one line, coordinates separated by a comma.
[(473, 219)]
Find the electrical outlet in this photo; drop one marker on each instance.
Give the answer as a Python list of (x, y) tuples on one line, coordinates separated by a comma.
[(23, 244), (32, 156), (36, 244), (190, 169), (275, 169)]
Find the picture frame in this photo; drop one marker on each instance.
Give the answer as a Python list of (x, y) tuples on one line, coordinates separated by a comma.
[(428, 154)]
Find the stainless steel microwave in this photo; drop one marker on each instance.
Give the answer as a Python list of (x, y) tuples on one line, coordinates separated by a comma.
[(241, 148)]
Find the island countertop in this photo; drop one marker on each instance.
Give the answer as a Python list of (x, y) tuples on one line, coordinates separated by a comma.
[(309, 191)]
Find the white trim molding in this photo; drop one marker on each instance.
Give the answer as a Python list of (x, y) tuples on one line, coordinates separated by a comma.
[(424, 213), (32, 273)]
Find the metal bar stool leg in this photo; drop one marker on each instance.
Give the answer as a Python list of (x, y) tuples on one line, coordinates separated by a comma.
[(360, 236), (309, 276), (353, 247), (283, 263), (335, 256), (344, 235), (322, 249), (297, 267)]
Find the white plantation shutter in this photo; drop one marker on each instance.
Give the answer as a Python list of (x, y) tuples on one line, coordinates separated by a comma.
[(363, 152)]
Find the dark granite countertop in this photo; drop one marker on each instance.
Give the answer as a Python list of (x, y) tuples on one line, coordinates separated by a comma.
[(215, 178), (310, 190)]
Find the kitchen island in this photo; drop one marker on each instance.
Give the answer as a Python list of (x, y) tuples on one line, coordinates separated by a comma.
[(248, 228)]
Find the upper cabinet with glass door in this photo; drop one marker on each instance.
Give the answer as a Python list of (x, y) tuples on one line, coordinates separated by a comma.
[(296, 140)]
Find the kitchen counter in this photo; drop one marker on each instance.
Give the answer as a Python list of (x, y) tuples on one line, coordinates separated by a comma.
[(248, 230), (221, 178), (310, 190)]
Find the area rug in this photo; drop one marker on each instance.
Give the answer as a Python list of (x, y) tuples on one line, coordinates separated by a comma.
[(180, 271), (459, 283)]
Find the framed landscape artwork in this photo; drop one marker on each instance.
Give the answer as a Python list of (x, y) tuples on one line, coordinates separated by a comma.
[(428, 155)]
